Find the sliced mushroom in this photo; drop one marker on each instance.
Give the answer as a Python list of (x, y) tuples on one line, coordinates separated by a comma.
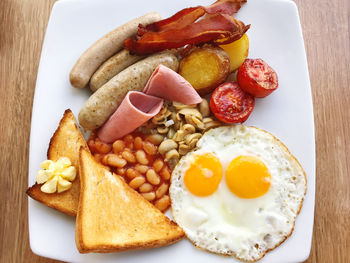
[(147, 127), (189, 112), (198, 122), (169, 123), (178, 125), (193, 143), (191, 137), (162, 116), (204, 108), (207, 120), (166, 146), (188, 128), (184, 149), (179, 105), (179, 135), (171, 133), (158, 121), (172, 154), (162, 129), (210, 123)]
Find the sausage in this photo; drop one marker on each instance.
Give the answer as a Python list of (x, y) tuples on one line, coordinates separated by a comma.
[(100, 106), (104, 48), (112, 67)]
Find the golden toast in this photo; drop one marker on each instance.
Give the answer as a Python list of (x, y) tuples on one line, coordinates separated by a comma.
[(65, 142), (113, 217)]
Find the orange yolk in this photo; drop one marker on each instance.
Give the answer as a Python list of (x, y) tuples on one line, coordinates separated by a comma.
[(204, 175), (248, 177)]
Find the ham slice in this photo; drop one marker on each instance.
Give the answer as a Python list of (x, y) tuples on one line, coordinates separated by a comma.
[(167, 84), (136, 109)]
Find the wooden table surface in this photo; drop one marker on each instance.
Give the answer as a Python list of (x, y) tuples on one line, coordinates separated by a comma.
[(326, 26)]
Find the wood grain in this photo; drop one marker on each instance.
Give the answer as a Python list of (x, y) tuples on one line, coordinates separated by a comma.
[(325, 26), (22, 29)]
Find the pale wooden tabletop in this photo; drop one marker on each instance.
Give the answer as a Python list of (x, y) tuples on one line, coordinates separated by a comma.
[(326, 26)]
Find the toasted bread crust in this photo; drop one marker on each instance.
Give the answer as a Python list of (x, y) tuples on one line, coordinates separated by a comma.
[(65, 202), (168, 231), (57, 148), (65, 142)]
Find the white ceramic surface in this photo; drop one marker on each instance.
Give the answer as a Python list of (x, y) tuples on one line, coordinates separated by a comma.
[(275, 35)]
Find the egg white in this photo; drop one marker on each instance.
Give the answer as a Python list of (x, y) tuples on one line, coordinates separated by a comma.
[(226, 224)]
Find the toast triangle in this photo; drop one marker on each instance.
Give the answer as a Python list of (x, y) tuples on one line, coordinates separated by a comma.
[(65, 142), (113, 217)]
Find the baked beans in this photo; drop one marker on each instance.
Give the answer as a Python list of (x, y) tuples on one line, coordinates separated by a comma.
[(163, 203), (162, 190), (141, 157), (156, 139), (158, 165), (138, 143), (98, 157), (128, 156), (137, 182), (146, 187), (99, 147), (114, 160), (165, 173), (132, 173), (149, 196), (141, 168), (121, 171), (152, 177), (135, 158), (118, 146), (129, 138), (149, 148)]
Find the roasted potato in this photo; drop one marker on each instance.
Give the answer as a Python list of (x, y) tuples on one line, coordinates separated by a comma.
[(238, 51), (205, 68)]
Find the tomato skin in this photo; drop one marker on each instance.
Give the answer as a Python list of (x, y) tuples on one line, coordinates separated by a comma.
[(230, 104), (257, 78)]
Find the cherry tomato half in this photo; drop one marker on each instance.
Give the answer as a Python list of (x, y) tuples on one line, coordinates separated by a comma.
[(257, 78), (231, 104)]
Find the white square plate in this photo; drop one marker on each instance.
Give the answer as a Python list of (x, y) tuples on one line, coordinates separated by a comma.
[(275, 35)]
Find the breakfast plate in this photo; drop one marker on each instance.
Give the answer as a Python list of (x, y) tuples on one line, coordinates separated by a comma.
[(275, 35)]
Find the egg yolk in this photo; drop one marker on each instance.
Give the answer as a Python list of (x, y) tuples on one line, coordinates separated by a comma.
[(204, 175), (248, 177)]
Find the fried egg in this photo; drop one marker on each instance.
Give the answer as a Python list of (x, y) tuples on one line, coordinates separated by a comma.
[(238, 193)]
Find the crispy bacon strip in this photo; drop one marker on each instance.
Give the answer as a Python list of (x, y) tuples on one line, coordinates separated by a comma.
[(190, 15), (217, 26), (209, 29), (228, 7), (180, 19)]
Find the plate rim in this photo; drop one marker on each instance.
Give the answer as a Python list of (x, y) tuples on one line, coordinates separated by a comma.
[(58, 4)]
